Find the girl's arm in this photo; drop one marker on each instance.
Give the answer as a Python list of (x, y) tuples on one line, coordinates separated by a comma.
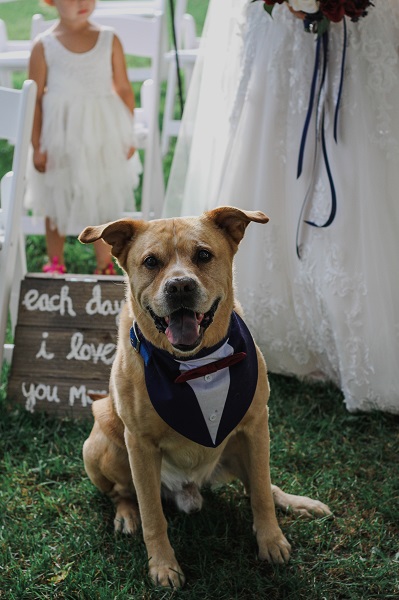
[(122, 84), (38, 72)]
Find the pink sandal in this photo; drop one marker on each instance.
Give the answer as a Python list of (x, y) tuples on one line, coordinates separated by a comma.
[(54, 267), (108, 270)]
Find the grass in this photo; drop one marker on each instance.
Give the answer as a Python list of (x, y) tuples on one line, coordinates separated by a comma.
[(56, 529), (56, 533)]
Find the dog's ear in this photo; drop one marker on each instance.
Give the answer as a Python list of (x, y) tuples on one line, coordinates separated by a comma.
[(117, 234), (234, 221)]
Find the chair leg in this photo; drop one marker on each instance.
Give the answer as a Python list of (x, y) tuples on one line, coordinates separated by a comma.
[(20, 272), (169, 107)]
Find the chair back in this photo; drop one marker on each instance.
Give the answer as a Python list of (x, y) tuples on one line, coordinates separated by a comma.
[(16, 119)]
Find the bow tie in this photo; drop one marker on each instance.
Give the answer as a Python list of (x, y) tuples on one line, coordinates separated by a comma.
[(211, 367)]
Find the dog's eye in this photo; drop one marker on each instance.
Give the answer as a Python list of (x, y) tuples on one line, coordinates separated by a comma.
[(204, 256), (150, 262)]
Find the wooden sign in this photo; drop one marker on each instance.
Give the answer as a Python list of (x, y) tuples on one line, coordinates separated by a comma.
[(65, 342)]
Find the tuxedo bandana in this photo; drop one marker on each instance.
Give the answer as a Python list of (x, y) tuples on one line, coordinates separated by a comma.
[(204, 397)]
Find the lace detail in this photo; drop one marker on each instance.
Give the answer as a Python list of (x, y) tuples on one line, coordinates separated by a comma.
[(376, 40)]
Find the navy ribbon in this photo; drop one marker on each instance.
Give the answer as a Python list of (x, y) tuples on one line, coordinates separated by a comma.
[(321, 51), (341, 83)]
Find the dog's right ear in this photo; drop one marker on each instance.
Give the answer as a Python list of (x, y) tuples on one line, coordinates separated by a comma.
[(118, 234)]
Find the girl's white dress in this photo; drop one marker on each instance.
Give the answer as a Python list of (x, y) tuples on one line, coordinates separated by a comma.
[(334, 312), (86, 132)]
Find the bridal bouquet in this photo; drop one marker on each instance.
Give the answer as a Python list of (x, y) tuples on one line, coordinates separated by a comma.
[(319, 13)]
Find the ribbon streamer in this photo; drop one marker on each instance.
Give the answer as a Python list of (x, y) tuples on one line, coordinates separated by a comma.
[(321, 56)]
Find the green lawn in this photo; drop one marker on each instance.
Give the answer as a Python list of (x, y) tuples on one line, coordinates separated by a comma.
[(56, 529)]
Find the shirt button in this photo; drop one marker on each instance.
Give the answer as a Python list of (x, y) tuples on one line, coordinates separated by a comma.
[(213, 417), (208, 377)]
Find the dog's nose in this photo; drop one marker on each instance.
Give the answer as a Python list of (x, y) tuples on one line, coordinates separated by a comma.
[(180, 285)]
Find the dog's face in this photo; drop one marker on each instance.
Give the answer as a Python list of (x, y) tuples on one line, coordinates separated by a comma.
[(180, 273)]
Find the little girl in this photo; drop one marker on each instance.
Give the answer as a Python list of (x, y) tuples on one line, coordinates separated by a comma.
[(84, 162)]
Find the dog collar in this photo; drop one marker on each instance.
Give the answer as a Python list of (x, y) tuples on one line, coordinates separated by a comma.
[(205, 396), (191, 372)]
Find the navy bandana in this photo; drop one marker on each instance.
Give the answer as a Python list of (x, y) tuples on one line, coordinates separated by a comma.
[(204, 405)]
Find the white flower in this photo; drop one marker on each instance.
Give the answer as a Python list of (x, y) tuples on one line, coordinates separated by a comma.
[(308, 6)]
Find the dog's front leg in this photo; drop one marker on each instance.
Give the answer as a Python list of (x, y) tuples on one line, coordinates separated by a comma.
[(273, 546), (145, 462)]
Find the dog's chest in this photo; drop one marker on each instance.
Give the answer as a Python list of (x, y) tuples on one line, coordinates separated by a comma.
[(186, 463)]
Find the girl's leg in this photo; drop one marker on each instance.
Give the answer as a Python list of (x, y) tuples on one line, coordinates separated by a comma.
[(104, 258), (55, 244)]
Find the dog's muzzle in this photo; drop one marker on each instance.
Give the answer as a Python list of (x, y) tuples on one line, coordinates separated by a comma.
[(184, 327)]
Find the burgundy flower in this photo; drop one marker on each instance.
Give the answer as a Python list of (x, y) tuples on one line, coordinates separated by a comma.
[(273, 2), (356, 8), (334, 10)]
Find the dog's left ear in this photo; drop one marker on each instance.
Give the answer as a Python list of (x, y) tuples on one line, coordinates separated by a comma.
[(234, 220), (117, 234)]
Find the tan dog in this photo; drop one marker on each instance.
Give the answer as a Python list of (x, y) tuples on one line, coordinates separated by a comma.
[(150, 439)]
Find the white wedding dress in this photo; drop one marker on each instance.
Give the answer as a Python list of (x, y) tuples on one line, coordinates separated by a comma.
[(333, 312)]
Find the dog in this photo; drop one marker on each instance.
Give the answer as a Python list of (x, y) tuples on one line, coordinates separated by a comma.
[(188, 392)]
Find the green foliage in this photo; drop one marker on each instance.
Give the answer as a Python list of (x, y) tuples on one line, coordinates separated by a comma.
[(267, 7)]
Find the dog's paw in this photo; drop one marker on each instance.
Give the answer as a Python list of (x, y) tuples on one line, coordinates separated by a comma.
[(127, 517), (274, 549), (169, 575)]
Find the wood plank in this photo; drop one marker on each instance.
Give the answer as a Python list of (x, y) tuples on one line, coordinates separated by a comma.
[(63, 352), (64, 302), (57, 398)]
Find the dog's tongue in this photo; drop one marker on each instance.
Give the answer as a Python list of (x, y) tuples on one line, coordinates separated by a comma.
[(183, 328)]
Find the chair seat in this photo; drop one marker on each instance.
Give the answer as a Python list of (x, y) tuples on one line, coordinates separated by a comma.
[(186, 56)]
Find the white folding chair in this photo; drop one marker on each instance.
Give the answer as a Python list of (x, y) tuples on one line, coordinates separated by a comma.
[(187, 52), (140, 37), (16, 118)]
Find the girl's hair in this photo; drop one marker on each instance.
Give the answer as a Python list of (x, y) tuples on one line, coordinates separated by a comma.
[(48, 2)]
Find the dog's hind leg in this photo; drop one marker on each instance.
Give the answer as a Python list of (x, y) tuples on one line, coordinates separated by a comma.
[(127, 516), (107, 466), (299, 505)]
